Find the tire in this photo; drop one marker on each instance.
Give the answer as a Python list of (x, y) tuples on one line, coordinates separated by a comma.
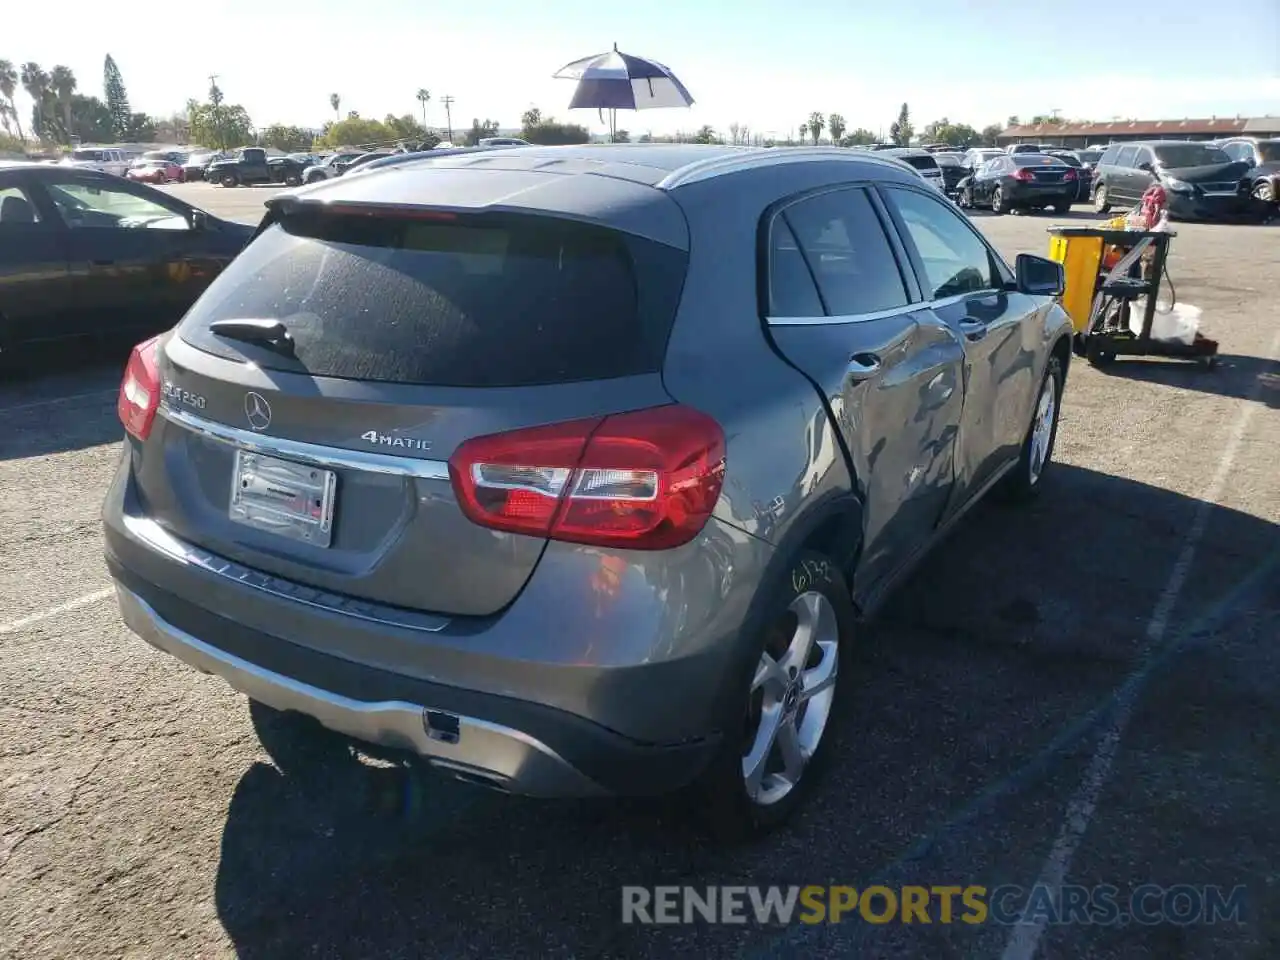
[(1097, 356), (229, 180), (1264, 192), (1025, 480), (812, 591), (964, 200), (1100, 204), (997, 202), (293, 179)]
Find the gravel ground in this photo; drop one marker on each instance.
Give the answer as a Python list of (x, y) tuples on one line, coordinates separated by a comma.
[(1104, 660)]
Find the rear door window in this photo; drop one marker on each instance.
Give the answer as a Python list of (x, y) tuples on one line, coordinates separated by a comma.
[(476, 301), (792, 292), (847, 251), (956, 260), (1125, 159)]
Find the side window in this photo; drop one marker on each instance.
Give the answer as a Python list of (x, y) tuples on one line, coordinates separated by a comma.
[(86, 204), (955, 260), (847, 251), (1126, 157), (1144, 156), (791, 289), (1109, 156), (17, 209)]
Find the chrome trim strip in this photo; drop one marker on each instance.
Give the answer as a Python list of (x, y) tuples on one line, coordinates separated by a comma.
[(337, 458), (879, 314), (157, 538), (512, 758)]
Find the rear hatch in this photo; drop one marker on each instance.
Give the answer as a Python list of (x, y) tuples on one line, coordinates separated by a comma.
[(411, 331)]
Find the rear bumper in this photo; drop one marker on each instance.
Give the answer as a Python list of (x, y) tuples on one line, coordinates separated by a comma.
[(548, 698), (1027, 193), (531, 751)]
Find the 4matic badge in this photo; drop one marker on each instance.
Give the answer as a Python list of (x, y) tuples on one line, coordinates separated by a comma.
[(403, 443)]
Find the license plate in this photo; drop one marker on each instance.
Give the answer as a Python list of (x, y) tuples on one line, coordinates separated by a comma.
[(289, 499)]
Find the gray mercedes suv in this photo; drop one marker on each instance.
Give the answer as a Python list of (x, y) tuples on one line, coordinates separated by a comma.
[(573, 470)]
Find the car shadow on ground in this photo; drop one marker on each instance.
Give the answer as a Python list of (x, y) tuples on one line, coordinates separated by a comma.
[(58, 399), (1022, 622), (1240, 377)]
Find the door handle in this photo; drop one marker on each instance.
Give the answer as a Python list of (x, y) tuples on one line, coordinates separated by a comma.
[(973, 330), (863, 366)]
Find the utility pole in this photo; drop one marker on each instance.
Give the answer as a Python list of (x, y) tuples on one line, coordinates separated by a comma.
[(448, 116)]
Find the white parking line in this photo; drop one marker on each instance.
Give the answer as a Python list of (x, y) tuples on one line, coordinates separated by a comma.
[(1025, 938), (18, 407), (15, 625)]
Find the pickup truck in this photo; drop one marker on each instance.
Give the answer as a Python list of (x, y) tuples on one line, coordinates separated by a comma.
[(252, 165)]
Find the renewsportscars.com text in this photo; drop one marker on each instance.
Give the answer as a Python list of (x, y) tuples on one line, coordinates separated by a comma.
[(1182, 904)]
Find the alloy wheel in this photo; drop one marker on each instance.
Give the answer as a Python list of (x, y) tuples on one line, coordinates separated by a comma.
[(1042, 428), (791, 698)]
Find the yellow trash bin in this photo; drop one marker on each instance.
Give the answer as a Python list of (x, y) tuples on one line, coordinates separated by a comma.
[(1080, 257)]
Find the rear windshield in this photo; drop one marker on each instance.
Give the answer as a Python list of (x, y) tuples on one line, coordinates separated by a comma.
[(483, 301), (921, 163), (1190, 155), (1037, 160), (1067, 158), (1089, 156), (947, 159)]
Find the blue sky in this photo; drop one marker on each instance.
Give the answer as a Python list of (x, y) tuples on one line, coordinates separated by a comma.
[(762, 64)]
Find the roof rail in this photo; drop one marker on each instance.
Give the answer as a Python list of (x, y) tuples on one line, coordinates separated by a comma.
[(765, 157)]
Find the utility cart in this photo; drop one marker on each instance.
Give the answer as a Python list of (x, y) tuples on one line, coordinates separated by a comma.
[(1107, 270)]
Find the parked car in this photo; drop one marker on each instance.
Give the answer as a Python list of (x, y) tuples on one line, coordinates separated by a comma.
[(343, 166), (84, 253), (1084, 173), (196, 162), (953, 171), (252, 165), (1021, 181), (921, 161), (1202, 180), (327, 168), (104, 160), (1016, 148), (975, 157), (1089, 157), (155, 171), (1263, 158), (500, 465)]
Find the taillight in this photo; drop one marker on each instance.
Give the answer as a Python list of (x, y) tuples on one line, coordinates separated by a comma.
[(139, 397), (1069, 175), (1023, 173), (646, 480)]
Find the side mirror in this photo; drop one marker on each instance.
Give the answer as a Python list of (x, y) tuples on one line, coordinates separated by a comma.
[(1146, 167), (199, 220), (1039, 276)]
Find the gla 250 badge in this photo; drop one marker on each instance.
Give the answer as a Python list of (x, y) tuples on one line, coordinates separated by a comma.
[(402, 443)]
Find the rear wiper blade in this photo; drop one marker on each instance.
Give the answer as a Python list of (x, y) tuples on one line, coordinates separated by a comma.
[(270, 333)]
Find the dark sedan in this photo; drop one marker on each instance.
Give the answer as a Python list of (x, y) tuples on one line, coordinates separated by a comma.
[(1025, 181), (86, 254)]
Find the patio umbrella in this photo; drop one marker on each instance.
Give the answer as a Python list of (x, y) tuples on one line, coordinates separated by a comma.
[(616, 81)]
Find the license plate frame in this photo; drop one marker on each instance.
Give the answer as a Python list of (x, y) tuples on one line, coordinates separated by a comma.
[(282, 497)]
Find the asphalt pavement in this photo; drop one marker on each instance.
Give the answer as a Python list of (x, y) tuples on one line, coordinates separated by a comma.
[(1079, 693)]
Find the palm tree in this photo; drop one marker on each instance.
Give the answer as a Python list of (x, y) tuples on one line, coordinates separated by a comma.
[(335, 101), (424, 96), (63, 83), (816, 122), (836, 124), (8, 87), (36, 82)]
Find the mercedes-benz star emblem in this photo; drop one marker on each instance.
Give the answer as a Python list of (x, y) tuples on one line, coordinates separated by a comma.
[(257, 410)]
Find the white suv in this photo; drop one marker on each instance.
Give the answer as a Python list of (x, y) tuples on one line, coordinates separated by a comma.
[(103, 160)]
